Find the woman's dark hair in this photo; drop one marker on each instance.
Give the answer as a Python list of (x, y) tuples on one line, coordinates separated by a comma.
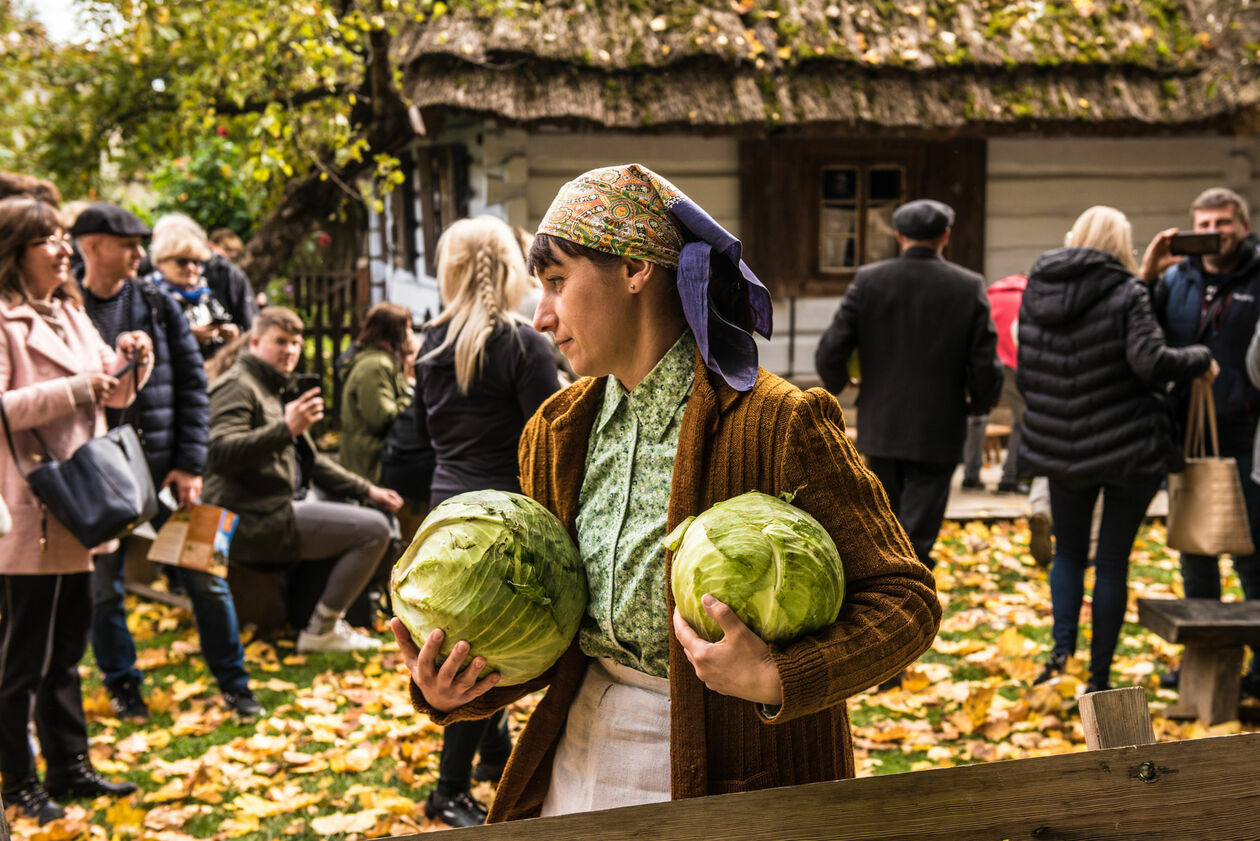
[(386, 328), (23, 219), (728, 290), (543, 253)]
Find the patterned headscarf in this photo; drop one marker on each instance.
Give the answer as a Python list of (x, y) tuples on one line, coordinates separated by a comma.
[(632, 212)]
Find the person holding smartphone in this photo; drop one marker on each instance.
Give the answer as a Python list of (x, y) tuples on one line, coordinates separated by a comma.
[(57, 377), (180, 255), (262, 464), (1213, 299)]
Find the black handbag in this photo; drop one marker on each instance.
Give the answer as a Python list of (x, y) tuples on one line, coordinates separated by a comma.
[(103, 491)]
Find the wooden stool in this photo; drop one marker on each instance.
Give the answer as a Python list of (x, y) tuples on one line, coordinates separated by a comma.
[(995, 434), (1214, 634)]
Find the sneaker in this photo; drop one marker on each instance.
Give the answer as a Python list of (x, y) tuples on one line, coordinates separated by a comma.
[(1040, 545), (127, 702), (340, 638), (491, 772), (243, 703), (455, 810), (1053, 668), (972, 484), (32, 801), (1014, 487)]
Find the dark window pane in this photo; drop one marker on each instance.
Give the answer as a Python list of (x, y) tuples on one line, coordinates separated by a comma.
[(885, 184), (839, 184)]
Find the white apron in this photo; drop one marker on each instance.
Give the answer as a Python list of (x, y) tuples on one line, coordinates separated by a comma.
[(615, 747)]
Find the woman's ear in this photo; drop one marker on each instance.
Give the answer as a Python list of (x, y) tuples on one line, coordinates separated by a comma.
[(637, 272)]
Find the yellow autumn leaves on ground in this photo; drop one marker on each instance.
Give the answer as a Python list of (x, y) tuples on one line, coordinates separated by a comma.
[(340, 752)]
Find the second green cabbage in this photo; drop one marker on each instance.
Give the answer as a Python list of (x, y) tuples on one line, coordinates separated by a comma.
[(772, 563)]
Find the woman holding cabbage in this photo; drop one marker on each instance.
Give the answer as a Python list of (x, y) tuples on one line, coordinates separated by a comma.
[(481, 373), (648, 298)]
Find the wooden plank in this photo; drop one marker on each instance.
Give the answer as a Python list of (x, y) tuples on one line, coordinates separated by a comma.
[(1202, 622), (1098, 156), (1116, 718), (1196, 789), (566, 155), (1050, 195)]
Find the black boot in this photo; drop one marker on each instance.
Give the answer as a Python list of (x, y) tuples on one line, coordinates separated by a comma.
[(454, 810), (1053, 668), (79, 779), (32, 800)]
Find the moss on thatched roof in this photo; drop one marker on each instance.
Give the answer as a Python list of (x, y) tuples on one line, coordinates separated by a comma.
[(927, 64)]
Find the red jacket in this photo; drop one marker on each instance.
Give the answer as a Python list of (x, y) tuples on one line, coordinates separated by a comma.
[(1004, 298)]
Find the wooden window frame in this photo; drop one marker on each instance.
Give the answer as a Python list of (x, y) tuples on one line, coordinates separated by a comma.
[(781, 228)]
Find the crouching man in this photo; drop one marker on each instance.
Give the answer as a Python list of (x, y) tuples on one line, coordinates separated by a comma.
[(262, 462)]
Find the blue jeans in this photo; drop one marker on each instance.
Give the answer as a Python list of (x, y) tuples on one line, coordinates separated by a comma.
[(1072, 508), (1201, 574), (213, 610)]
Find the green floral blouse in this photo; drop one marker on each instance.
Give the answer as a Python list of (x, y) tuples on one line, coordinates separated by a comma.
[(623, 504)]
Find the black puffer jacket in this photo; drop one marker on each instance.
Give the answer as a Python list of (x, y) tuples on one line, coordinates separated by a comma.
[(1093, 366), (172, 412)]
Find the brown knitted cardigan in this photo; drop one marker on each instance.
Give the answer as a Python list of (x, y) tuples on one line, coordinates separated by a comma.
[(773, 438)]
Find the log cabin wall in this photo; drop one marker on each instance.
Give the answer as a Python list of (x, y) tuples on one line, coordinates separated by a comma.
[(1035, 189)]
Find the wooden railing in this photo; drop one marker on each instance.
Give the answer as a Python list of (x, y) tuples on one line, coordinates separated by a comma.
[(1174, 791), (332, 303)]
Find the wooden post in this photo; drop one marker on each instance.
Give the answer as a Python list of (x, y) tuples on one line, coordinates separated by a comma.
[(1210, 678), (1116, 718)]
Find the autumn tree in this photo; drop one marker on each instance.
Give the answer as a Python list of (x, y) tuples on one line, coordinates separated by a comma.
[(306, 91)]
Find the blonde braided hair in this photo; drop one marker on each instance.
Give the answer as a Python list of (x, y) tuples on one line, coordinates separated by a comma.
[(481, 275)]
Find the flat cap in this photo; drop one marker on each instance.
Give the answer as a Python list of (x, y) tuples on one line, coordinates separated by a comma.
[(104, 217), (923, 219)]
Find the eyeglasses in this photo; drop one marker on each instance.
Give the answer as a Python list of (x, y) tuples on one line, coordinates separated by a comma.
[(185, 262), (57, 241)]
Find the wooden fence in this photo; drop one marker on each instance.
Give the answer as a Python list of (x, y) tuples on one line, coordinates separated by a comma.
[(332, 303), (1175, 791)]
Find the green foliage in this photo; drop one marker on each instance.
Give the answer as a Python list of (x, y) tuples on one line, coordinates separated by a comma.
[(207, 186), (289, 82)]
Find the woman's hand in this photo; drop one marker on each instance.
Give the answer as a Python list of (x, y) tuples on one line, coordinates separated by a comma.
[(739, 664), (205, 333), (1209, 376), (103, 386), (228, 332), (444, 687), (136, 345)]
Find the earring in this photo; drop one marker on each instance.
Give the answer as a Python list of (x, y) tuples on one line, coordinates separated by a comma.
[(632, 287)]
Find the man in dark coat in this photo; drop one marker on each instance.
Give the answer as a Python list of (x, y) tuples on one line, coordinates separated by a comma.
[(928, 351), (172, 416), (1214, 299)]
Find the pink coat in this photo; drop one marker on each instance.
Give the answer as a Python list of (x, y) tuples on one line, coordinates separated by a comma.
[(37, 383)]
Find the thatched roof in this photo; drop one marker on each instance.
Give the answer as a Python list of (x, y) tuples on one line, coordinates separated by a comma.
[(927, 65)]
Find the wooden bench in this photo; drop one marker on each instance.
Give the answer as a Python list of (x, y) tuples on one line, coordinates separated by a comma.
[(1214, 634)]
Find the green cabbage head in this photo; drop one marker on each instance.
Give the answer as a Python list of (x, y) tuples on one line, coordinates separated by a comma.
[(772, 563), (496, 569)]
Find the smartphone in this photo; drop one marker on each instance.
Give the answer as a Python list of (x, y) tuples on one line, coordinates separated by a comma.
[(303, 383), (1195, 244)]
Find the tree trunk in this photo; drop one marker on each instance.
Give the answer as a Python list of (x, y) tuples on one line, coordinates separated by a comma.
[(307, 202)]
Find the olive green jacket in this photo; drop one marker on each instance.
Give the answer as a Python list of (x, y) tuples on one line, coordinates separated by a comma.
[(375, 392), (251, 465)]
